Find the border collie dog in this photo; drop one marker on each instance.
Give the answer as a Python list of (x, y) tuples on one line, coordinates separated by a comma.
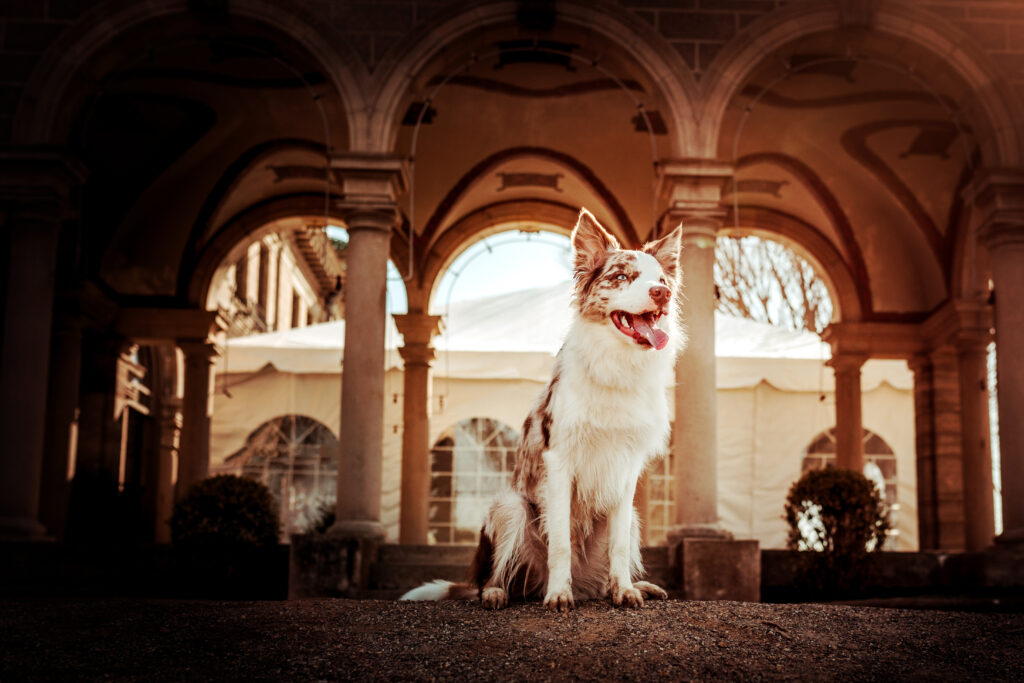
[(567, 528)]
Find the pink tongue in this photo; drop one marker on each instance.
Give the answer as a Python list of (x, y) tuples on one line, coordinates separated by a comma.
[(656, 337)]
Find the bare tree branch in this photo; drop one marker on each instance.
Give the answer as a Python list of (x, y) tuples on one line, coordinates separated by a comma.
[(767, 281)]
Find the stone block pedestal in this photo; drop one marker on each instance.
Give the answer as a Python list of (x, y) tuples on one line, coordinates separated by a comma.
[(718, 569), (329, 566)]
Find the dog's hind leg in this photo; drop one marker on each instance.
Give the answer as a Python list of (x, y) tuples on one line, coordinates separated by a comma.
[(506, 532)]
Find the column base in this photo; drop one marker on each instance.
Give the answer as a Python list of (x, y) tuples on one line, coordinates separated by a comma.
[(711, 565), (327, 566), (22, 529), (708, 531), (1011, 539), (714, 569), (358, 529)]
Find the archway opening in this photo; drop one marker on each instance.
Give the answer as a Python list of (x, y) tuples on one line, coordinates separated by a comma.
[(296, 457), (471, 462)]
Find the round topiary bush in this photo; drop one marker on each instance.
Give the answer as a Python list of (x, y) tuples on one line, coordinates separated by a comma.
[(226, 511), (836, 520)]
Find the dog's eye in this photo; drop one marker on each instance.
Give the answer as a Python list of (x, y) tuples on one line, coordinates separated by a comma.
[(621, 276)]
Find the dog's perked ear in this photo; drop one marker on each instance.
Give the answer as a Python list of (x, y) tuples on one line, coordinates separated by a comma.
[(591, 244), (666, 250)]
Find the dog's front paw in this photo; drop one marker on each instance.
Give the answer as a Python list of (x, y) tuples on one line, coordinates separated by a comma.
[(494, 598), (626, 594), (559, 599), (650, 590)]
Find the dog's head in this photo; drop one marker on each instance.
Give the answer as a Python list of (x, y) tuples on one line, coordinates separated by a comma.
[(633, 292)]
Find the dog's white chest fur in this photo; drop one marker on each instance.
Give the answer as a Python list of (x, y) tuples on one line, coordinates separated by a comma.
[(610, 415)]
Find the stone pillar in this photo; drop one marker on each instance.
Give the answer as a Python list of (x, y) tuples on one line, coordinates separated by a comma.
[(849, 426), (34, 199), (1006, 249), (197, 408), (417, 330), (32, 240), (169, 423), (940, 501), (369, 187), (998, 196), (695, 456), (979, 516), (61, 417), (691, 190)]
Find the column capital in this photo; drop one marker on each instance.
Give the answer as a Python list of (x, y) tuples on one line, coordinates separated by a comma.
[(39, 178), (199, 349), (847, 362), (417, 329), (998, 196), (370, 186), (873, 339), (158, 326), (691, 192), (965, 324)]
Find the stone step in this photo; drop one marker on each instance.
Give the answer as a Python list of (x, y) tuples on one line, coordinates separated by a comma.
[(407, 576), (426, 554), (402, 567)]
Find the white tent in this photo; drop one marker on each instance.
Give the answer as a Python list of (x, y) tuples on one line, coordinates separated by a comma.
[(495, 354)]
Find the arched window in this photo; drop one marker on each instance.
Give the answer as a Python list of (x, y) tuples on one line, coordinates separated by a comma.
[(469, 464), (297, 458), (879, 465)]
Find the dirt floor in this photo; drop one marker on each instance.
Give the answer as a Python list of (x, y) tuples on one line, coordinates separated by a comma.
[(175, 640)]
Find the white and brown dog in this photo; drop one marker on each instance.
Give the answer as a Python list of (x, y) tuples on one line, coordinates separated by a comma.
[(567, 528)]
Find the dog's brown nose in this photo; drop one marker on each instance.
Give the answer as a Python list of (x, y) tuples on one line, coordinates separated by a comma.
[(661, 294)]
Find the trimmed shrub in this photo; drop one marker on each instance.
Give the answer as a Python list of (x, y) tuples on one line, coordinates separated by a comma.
[(226, 511), (836, 521), (324, 520)]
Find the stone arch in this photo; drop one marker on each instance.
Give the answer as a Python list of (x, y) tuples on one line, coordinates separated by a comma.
[(45, 95), (846, 292), (638, 39), (480, 452), (276, 214), (296, 457), (487, 221), (1002, 144)]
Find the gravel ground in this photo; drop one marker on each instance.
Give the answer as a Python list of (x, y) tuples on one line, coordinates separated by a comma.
[(165, 640)]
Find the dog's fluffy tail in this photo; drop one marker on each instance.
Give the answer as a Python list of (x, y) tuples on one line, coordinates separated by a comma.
[(479, 573), (443, 590)]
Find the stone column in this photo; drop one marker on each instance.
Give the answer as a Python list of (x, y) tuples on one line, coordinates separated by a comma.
[(1006, 249), (34, 194), (417, 329), (998, 196), (927, 520), (695, 455), (709, 564), (938, 441), (61, 416), (849, 427), (979, 516), (691, 190), (370, 185), (32, 240), (197, 408), (169, 423)]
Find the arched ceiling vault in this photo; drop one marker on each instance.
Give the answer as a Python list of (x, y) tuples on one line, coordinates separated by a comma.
[(873, 140)]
